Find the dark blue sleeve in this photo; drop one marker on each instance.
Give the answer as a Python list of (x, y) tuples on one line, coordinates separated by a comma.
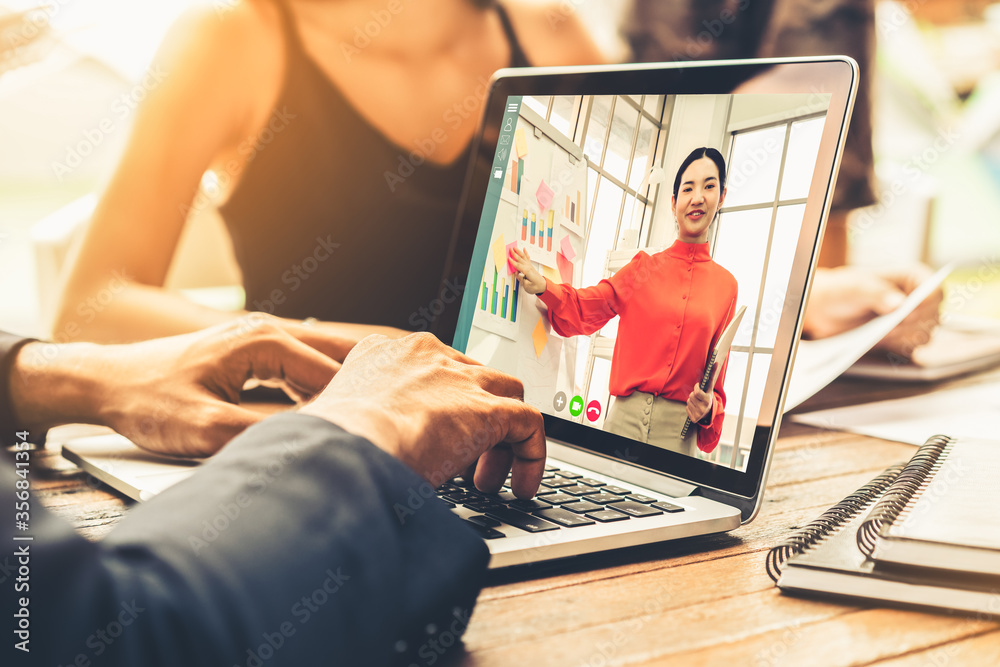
[(297, 544), (9, 347)]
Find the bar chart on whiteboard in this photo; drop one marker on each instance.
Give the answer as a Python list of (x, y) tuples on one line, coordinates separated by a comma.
[(541, 211), (500, 292)]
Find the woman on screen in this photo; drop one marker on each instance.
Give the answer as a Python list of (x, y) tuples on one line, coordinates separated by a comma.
[(673, 306)]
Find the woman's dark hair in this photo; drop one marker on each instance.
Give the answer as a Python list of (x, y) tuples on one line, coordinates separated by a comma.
[(698, 153)]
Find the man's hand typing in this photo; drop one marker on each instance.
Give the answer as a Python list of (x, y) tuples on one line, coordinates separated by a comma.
[(438, 411)]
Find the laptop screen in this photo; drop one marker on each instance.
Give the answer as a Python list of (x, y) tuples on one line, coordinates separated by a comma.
[(636, 257)]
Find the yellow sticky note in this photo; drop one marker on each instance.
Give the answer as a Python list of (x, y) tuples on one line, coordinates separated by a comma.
[(521, 142), (550, 274), (539, 337), (500, 255)]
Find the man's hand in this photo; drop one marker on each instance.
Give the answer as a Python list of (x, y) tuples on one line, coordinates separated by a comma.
[(847, 297), (699, 404), (176, 396), (335, 339), (438, 411)]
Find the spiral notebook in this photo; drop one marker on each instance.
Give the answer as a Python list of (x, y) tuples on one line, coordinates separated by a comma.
[(923, 534)]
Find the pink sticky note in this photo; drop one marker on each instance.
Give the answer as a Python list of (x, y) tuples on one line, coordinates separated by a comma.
[(544, 195), (565, 268), (566, 248), (511, 269)]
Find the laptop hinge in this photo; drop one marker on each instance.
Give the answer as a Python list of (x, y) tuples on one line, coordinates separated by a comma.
[(606, 465)]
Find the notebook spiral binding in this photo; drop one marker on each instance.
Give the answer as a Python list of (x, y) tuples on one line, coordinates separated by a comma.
[(908, 485), (704, 383), (829, 521)]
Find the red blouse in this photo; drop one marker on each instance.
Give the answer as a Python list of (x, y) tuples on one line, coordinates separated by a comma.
[(673, 307)]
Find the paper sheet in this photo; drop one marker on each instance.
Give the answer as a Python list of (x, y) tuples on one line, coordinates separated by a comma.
[(537, 226), (544, 196), (521, 143), (566, 248), (565, 269), (500, 255), (551, 274), (820, 362), (539, 337), (569, 181), (964, 412)]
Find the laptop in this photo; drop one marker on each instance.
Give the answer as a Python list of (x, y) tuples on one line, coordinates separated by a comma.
[(577, 166)]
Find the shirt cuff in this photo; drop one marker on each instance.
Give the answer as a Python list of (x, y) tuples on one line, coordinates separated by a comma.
[(553, 295)]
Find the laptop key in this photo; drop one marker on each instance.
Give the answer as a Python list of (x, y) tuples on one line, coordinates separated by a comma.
[(485, 532), (589, 481), (460, 498), (529, 504), (564, 518), (556, 483), (578, 490), (633, 508), (551, 468), (476, 506), (519, 519), (603, 498), (566, 474), (604, 516), (493, 499), (543, 491), (617, 490), (559, 498), (639, 498), (668, 507), (486, 521), (482, 506), (581, 507)]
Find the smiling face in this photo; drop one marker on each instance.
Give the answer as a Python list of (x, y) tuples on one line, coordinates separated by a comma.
[(697, 200)]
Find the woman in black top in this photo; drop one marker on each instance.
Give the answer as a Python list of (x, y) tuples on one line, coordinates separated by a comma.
[(339, 134)]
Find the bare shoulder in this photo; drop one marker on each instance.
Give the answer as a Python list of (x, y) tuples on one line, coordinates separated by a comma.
[(229, 30), (553, 34), (231, 49)]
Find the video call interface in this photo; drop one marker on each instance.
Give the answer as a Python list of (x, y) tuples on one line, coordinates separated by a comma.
[(584, 185)]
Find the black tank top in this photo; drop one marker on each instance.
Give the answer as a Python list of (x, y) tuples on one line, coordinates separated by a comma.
[(332, 220)]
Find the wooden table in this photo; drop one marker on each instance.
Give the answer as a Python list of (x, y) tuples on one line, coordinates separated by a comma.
[(705, 600)]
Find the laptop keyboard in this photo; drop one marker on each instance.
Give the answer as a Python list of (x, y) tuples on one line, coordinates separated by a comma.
[(566, 499)]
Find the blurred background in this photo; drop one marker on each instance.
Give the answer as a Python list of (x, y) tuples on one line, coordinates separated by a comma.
[(73, 71)]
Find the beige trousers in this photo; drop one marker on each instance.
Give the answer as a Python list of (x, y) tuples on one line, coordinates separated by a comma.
[(654, 420)]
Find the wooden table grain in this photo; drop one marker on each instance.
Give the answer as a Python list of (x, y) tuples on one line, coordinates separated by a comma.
[(696, 601)]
